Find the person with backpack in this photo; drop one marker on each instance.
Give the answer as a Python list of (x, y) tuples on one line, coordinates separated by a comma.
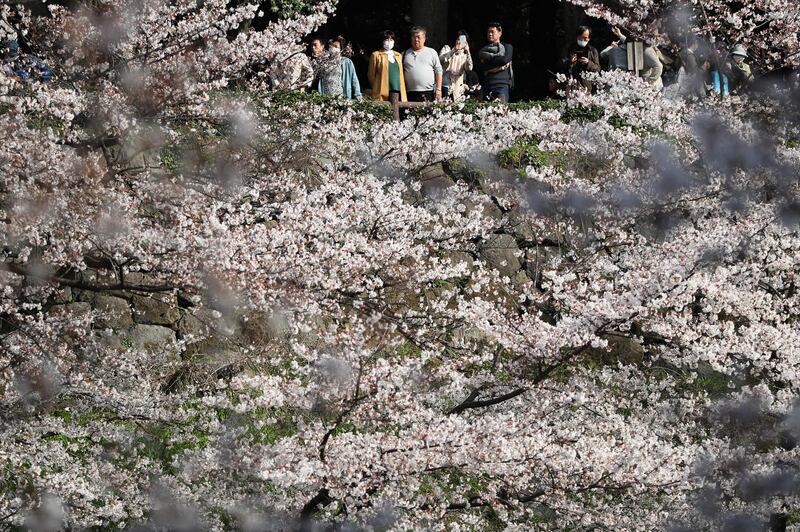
[(495, 65), (740, 72)]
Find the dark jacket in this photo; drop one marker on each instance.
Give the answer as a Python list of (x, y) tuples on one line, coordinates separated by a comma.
[(493, 72), (575, 70)]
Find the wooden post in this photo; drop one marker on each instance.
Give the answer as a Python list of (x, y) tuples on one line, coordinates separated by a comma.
[(394, 98)]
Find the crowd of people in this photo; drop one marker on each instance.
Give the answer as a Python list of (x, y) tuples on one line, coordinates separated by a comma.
[(421, 74), (456, 72), (418, 74), (700, 68), (21, 66)]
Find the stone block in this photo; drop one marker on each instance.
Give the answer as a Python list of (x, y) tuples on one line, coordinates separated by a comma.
[(155, 311), (264, 327), (500, 252), (458, 257), (114, 313), (149, 337), (63, 296), (620, 349), (75, 310)]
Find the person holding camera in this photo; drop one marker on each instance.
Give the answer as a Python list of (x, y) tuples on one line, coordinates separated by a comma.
[(616, 54), (581, 58), (456, 62)]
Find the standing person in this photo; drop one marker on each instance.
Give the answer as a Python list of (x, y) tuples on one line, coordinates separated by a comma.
[(495, 64), (293, 73), (456, 62), (317, 56), (616, 54), (718, 81), (385, 72), (351, 88), (740, 72), (328, 70), (422, 69), (653, 66), (692, 73), (581, 58), (317, 47)]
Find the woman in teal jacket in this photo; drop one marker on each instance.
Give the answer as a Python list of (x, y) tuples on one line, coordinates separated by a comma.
[(338, 73)]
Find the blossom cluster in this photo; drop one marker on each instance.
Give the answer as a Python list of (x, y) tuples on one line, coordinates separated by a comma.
[(581, 314)]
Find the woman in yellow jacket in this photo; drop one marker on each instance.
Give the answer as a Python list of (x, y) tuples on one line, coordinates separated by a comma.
[(386, 70)]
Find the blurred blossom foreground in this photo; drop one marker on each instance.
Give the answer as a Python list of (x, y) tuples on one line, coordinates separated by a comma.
[(228, 308)]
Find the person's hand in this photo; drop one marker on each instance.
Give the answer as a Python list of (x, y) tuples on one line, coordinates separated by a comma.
[(615, 30), (438, 94), (615, 44), (584, 60), (573, 58)]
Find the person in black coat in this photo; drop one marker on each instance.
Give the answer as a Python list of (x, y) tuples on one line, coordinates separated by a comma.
[(581, 57)]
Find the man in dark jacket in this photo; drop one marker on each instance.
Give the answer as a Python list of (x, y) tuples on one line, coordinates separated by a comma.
[(581, 58), (494, 65)]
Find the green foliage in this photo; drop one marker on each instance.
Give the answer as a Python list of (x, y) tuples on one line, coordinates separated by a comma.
[(407, 350), (526, 152), (714, 383), (163, 443), (344, 428), (461, 170), (281, 424), (581, 113), (618, 122), (370, 110), (289, 8), (170, 157)]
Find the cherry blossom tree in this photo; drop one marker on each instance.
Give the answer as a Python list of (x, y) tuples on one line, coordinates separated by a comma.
[(224, 307), (768, 28)]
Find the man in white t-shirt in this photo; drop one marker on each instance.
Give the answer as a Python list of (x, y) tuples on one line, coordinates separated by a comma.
[(422, 69)]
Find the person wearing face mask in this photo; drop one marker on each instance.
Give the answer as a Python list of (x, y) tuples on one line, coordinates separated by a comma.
[(385, 72), (347, 85), (581, 58), (740, 72), (329, 71)]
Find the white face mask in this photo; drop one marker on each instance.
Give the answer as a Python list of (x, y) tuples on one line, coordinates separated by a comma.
[(388, 45), (582, 43), (738, 59), (334, 51)]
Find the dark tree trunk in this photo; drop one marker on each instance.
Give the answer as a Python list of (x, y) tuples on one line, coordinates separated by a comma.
[(433, 15)]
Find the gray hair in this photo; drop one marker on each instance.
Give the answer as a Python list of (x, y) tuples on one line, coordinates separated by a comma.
[(419, 29)]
